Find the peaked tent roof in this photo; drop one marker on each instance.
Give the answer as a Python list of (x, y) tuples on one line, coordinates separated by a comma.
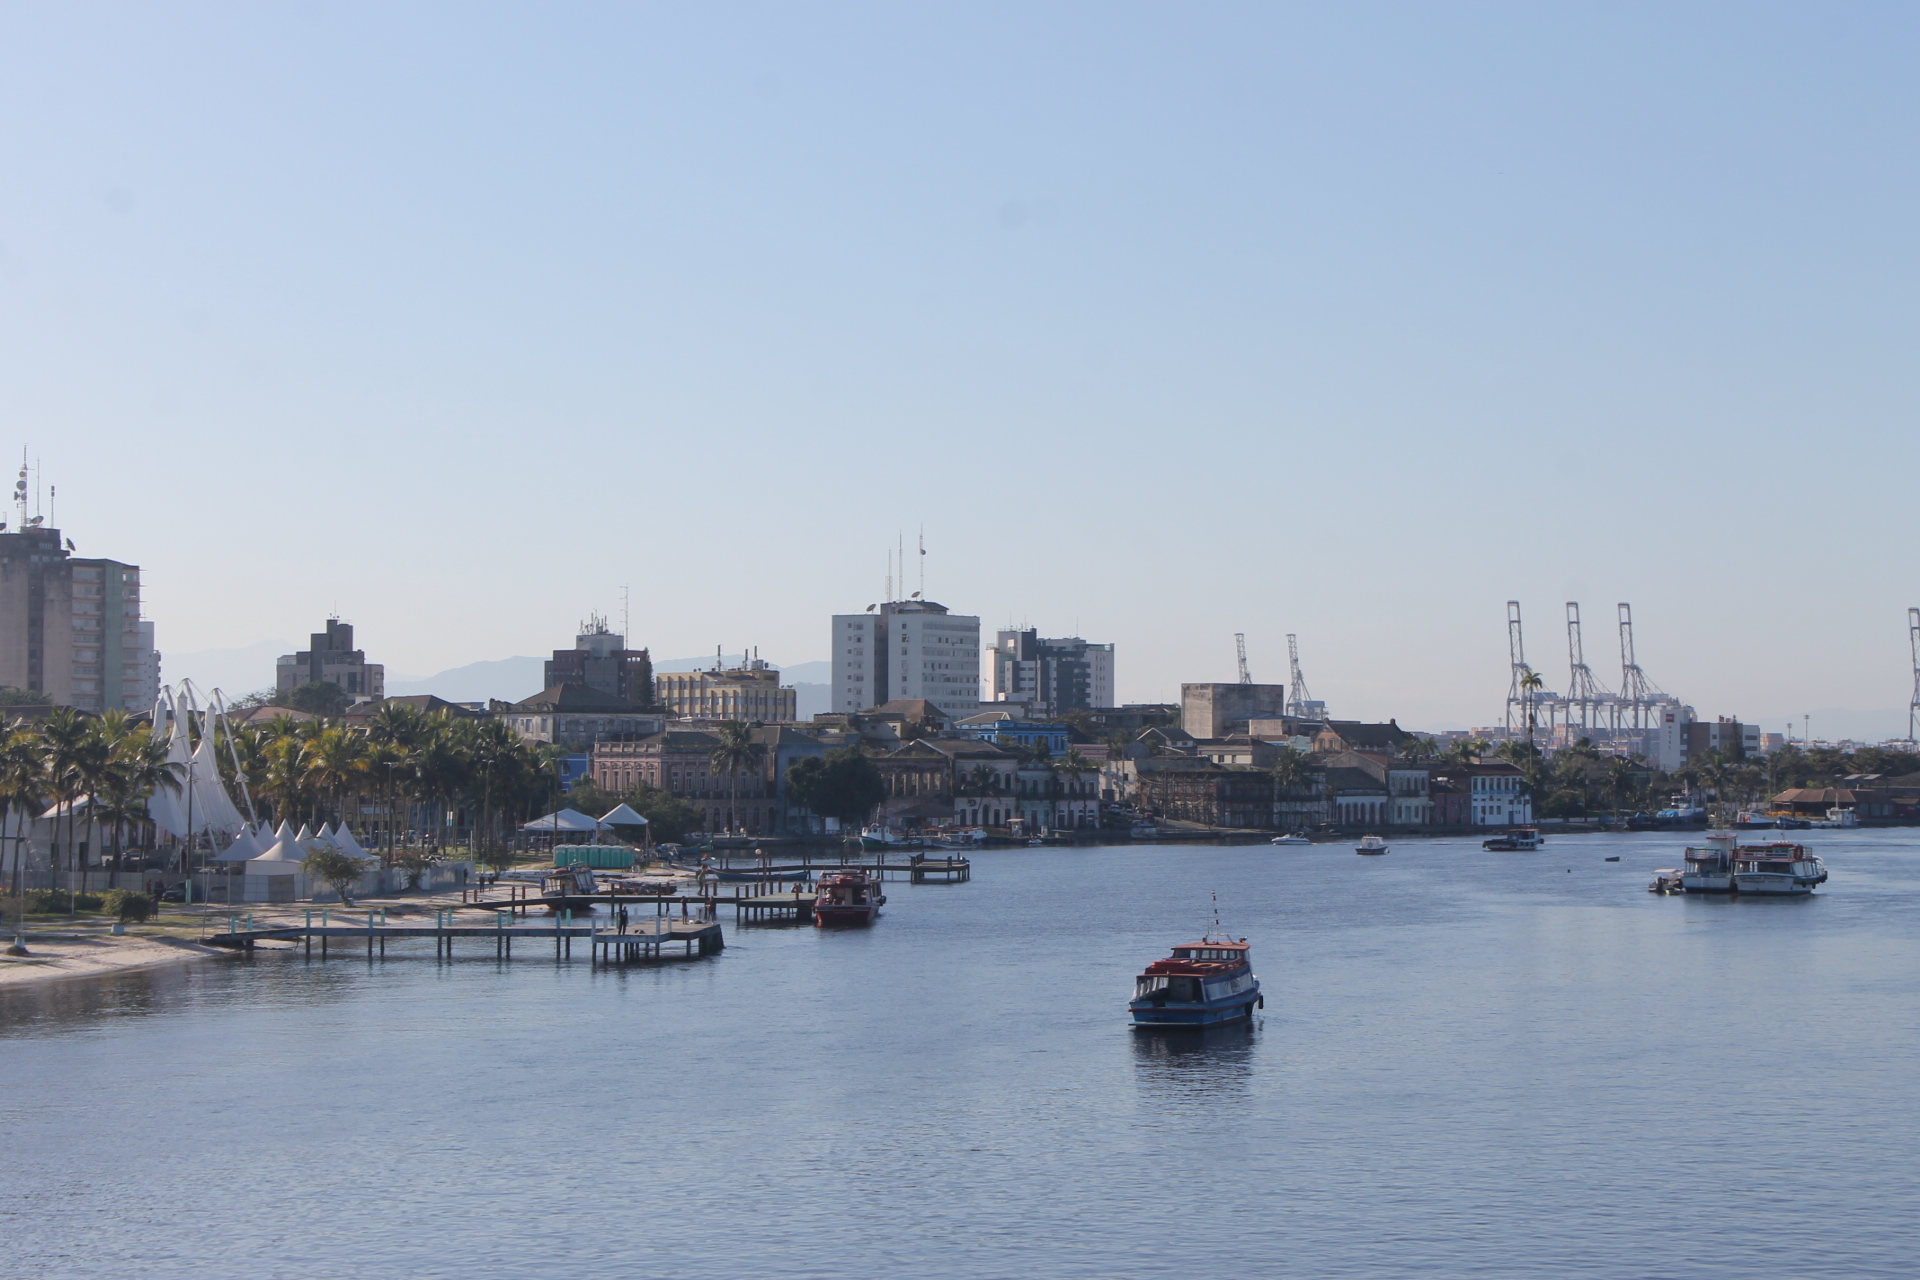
[(622, 815), (244, 846), (343, 841), (564, 820)]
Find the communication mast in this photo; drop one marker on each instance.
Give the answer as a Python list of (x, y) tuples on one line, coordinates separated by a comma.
[(1584, 691), (1913, 640), (1300, 703), (1240, 644)]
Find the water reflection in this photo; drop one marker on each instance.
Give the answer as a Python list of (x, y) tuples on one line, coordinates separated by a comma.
[(1197, 1064)]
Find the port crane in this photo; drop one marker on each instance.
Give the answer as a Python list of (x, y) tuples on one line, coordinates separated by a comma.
[(1240, 644), (1300, 703)]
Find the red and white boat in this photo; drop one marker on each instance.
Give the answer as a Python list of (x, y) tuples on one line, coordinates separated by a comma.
[(847, 899)]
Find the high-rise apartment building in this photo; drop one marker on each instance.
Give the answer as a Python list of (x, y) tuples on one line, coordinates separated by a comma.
[(331, 658), (906, 649), (601, 660), (1051, 676), (70, 628)]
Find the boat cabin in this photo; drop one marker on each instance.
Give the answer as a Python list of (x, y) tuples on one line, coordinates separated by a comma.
[(1230, 952)]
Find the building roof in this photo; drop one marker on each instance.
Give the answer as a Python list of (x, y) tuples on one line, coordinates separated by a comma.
[(574, 697), (910, 709), (1360, 736), (1345, 779), (426, 703)]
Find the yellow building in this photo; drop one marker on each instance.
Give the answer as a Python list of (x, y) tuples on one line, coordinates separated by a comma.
[(748, 693)]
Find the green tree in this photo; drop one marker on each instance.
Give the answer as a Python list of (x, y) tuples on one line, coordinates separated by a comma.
[(734, 752), (317, 697), (71, 756), (12, 697), (333, 762), (842, 784), (22, 783), (335, 869)]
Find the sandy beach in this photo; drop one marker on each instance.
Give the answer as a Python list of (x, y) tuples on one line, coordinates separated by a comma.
[(78, 956)]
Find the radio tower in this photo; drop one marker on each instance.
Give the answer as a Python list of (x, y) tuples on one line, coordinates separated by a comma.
[(1913, 640), (1583, 690), (1299, 702), (1240, 644)]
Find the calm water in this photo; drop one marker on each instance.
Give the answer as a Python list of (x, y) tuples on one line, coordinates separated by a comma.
[(1470, 1064)]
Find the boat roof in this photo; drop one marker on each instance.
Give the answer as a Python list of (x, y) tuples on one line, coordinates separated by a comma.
[(1214, 944)]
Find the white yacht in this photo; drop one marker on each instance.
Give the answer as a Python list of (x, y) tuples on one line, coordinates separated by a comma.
[(1372, 845), (1292, 837), (1777, 869)]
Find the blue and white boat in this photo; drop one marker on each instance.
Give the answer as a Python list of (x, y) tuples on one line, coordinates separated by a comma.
[(1200, 985)]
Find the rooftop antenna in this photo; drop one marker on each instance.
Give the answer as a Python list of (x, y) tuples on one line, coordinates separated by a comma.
[(626, 615), (53, 492), (923, 562), (1913, 641), (1240, 645), (20, 489)]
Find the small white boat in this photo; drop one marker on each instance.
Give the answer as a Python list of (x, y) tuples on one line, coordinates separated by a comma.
[(1372, 845), (1777, 869), (1292, 837)]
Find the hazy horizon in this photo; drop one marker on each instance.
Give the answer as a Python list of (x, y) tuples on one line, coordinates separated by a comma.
[(1348, 321)]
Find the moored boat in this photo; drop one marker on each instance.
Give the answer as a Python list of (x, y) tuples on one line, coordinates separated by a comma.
[(847, 898), (1779, 868), (1710, 866), (1201, 984), (1371, 845), (1292, 837), (1518, 838)]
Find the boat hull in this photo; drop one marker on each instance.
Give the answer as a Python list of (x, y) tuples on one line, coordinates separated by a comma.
[(844, 917), (1183, 1015), (1707, 882), (1772, 883)]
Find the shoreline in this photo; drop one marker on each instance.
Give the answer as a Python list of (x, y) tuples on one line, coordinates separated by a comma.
[(65, 957)]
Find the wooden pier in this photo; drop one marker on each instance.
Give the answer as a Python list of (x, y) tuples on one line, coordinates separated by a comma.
[(649, 938)]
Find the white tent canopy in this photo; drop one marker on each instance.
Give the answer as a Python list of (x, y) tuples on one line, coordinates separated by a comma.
[(565, 820), (283, 859), (622, 816), (343, 841), (244, 847)]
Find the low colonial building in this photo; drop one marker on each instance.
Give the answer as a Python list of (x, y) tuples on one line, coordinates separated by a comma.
[(679, 762), (1496, 791), (576, 717)]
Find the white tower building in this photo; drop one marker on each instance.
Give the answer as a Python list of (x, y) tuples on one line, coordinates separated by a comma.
[(906, 649)]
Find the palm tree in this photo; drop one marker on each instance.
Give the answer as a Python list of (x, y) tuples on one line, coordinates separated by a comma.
[(1530, 684), (734, 751), (63, 740), (333, 761), (23, 782)]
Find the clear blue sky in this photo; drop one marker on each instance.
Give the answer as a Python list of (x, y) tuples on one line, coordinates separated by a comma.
[(1167, 321)]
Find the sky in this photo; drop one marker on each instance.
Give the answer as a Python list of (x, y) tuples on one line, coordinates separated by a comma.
[(1166, 322)]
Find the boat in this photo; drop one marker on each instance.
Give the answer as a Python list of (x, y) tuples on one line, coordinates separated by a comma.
[(575, 881), (1779, 868), (1371, 845), (847, 898), (1710, 866), (1145, 831), (1518, 838), (1292, 837), (1788, 823), (1667, 880), (1614, 858), (1840, 818), (1201, 984)]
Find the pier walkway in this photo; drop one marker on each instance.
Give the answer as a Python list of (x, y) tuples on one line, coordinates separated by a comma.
[(642, 939)]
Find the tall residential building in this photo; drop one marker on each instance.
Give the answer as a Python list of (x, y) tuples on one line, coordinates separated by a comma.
[(70, 628), (331, 657), (1053, 676), (750, 693), (906, 649), (601, 660)]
